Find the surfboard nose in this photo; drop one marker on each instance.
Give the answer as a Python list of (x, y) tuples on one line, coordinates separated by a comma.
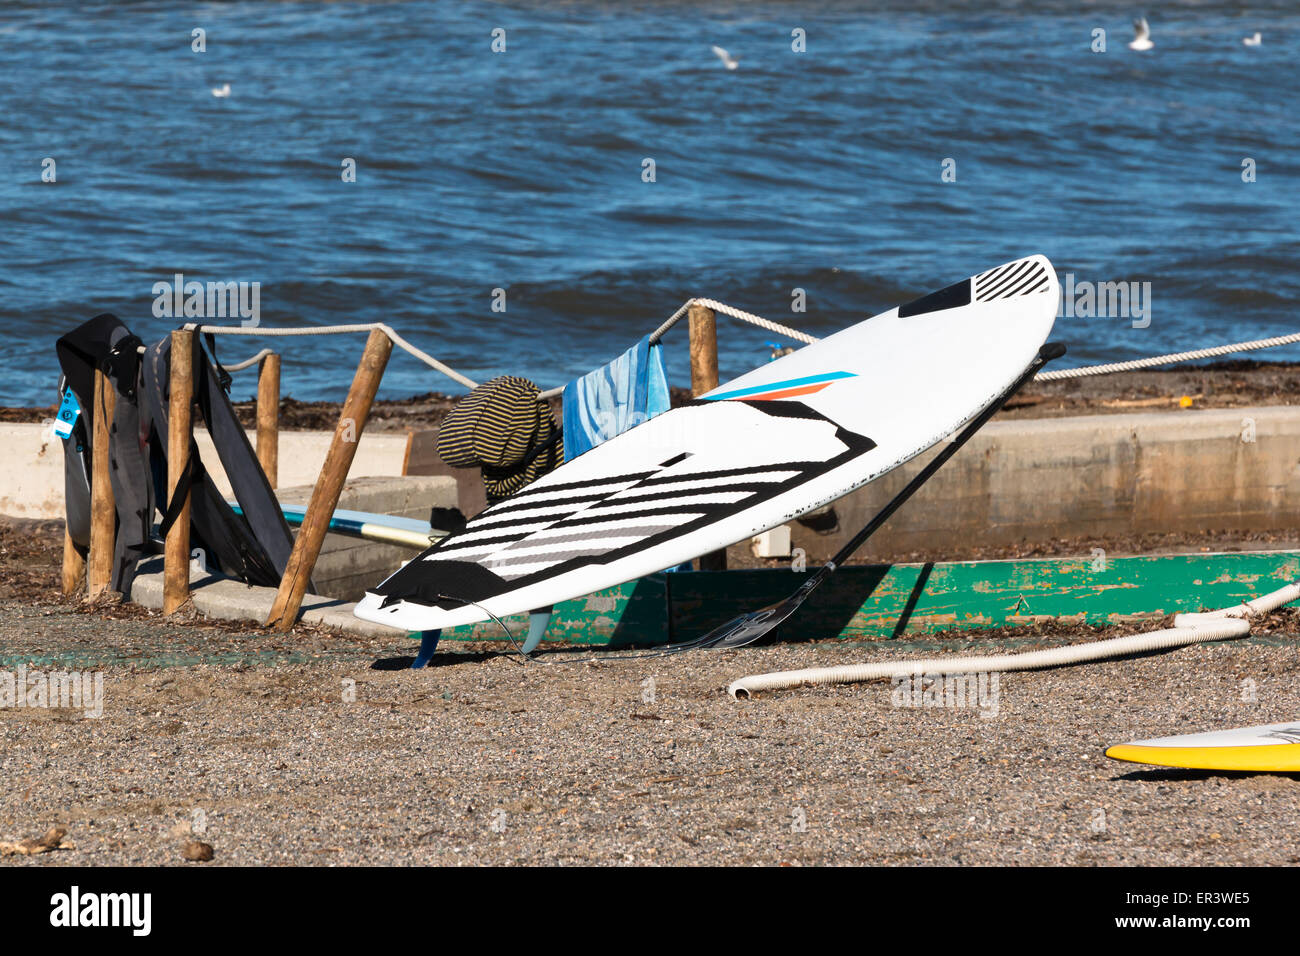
[(1011, 281), (1029, 276)]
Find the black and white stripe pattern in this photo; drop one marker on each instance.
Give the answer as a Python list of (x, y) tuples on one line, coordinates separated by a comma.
[(1024, 277), (554, 527), (551, 525)]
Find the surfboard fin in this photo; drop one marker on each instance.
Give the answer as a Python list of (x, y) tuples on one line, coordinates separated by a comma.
[(537, 624), (428, 644)]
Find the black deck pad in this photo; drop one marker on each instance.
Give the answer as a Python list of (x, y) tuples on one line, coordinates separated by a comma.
[(444, 584)]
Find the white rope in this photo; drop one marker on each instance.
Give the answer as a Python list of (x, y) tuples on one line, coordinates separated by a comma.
[(1169, 359), (451, 373), (1055, 375), (716, 306), (658, 333), (240, 366), (735, 313), (396, 339), (757, 320), (1152, 361), (428, 359)]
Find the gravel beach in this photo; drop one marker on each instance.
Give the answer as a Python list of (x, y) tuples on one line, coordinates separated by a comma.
[(322, 748)]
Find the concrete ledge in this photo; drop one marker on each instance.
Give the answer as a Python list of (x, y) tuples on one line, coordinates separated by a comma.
[(31, 472), (345, 568), (1021, 481), (229, 600), (1087, 476)]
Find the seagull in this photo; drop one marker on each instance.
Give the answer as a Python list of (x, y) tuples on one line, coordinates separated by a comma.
[(729, 61), (1256, 40), (222, 91), (1141, 35)]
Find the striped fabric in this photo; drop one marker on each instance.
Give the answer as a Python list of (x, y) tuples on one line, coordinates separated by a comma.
[(507, 431)]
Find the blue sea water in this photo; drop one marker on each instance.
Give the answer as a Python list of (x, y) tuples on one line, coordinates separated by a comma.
[(522, 170)]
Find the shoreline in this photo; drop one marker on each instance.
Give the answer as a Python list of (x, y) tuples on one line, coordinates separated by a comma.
[(1223, 384)]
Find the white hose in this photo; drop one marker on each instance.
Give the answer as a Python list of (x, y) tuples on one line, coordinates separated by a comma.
[(1188, 629), (1261, 605)]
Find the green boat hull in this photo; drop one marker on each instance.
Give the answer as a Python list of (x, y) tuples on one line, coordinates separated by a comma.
[(882, 602)]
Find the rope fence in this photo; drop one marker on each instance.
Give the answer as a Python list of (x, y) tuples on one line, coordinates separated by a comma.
[(1171, 359), (722, 308), (396, 339), (248, 362)]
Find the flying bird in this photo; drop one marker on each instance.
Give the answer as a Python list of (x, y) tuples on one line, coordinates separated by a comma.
[(729, 61), (1256, 40), (1141, 35), (222, 91)]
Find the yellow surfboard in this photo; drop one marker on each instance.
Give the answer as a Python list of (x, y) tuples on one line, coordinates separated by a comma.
[(1272, 747)]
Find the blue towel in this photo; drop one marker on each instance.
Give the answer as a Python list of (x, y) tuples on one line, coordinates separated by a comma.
[(607, 402)]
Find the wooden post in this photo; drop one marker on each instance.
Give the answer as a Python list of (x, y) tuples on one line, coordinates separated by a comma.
[(180, 433), (74, 564), (704, 350), (103, 507), (704, 378), (268, 417), (325, 496)]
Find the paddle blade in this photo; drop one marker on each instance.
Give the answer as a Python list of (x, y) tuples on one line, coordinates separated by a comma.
[(751, 627)]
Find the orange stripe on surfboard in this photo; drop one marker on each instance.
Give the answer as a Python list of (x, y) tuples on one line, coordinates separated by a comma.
[(784, 393)]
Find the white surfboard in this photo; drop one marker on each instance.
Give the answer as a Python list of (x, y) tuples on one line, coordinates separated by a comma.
[(773, 444), (1271, 747)]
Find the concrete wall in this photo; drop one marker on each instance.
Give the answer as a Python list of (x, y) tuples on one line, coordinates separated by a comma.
[(1090, 475), (31, 466), (1016, 480), (31, 472)]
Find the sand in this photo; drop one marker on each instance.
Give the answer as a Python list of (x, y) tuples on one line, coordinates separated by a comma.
[(324, 748)]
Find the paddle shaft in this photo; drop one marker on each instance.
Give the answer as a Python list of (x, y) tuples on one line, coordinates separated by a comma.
[(1051, 350)]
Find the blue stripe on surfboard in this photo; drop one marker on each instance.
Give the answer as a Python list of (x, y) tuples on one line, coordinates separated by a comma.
[(780, 386)]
